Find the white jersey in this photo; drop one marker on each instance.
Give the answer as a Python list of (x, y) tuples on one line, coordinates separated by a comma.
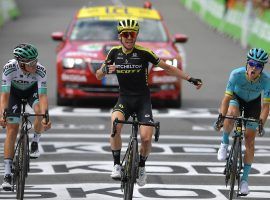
[(14, 76)]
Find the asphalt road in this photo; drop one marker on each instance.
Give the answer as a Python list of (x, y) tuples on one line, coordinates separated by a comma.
[(76, 158)]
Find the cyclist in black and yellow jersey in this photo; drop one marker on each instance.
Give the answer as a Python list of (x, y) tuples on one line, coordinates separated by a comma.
[(130, 63)]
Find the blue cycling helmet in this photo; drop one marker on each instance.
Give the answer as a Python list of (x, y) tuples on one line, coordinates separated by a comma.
[(258, 55)]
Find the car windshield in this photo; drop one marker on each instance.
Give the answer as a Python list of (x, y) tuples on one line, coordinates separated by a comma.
[(101, 30)]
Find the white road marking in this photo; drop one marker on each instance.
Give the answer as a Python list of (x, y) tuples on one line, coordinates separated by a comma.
[(53, 147), (112, 192), (160, 168), (172, 113)]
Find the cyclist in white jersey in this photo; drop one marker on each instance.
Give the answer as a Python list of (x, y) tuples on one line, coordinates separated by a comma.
[(22, 78)]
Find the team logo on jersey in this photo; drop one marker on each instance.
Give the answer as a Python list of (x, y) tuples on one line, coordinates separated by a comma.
[(14, 108), (9, 69), (35, 95), (41, 71)]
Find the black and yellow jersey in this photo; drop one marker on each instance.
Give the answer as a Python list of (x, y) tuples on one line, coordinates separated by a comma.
[(132, 69)]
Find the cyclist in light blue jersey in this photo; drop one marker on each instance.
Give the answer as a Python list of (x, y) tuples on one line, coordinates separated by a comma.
[(248, 90)]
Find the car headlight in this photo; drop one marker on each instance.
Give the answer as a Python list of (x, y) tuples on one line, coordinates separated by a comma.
[(170, 62), (77, 63)]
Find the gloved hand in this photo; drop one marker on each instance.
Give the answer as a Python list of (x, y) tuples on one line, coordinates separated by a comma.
[(196, 82), (219, 123)]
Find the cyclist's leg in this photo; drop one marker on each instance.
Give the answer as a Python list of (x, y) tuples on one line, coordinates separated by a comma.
[(11, 134), (144, 114), (228, 123), (33, 101), (119, 111), (252, 110), (227, 128)]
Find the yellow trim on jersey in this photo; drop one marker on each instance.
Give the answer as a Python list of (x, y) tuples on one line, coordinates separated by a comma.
[(146, 49), (115, 47), (266, 100), (118, 13), (229, 93)]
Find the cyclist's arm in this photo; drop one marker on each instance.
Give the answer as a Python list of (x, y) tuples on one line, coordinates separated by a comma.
[(100, 73), (9, 71), (264, 112), (225, 104), (4, 101), (43, 100), (171, 70)]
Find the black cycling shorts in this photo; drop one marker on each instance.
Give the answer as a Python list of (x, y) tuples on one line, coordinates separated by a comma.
[(15, 100), (140, 105), (252, 109)]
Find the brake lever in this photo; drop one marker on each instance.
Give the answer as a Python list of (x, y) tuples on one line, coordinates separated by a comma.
[(157, 132), (47, 117)]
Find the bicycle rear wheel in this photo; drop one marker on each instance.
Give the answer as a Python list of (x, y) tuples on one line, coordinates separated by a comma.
[(22, 165), (234, 167), (131, 169)]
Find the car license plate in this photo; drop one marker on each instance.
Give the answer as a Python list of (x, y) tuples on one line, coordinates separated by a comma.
[(110, 80)]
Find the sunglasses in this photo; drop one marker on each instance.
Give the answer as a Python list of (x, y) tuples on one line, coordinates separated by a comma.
[(32, 63), (132, 34), (255, 64)]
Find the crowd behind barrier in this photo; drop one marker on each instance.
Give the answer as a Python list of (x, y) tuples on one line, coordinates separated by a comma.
[(8, 10), (247, 21)]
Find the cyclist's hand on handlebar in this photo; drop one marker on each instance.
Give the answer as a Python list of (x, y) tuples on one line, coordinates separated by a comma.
[(219, 123), (3, 122), (197, 82), (46, 125)]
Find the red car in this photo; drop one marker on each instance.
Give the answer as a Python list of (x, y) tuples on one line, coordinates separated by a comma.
[(89, 37)]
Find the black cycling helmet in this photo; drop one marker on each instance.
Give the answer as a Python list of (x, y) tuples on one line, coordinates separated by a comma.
[(25, 52), (128, 25)]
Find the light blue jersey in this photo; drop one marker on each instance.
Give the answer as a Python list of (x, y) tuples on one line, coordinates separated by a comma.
[(248, 90)]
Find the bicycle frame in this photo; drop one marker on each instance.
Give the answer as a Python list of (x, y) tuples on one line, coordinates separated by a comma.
[(130, 161), (234, 163), (21, 161)]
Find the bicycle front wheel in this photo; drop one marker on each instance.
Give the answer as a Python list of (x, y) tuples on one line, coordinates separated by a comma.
[(131, 169), (234, 167), (22, 166)]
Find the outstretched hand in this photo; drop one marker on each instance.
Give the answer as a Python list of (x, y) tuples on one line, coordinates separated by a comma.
[(197, 82)]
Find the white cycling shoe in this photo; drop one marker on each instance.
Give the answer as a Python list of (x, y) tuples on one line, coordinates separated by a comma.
[(116, 172), (141, 180), (222, 152), (34, 152), (244, 190)]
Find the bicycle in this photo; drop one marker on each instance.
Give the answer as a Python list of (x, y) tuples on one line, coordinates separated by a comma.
[(234, 163), (21, 161), (130, 161)]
